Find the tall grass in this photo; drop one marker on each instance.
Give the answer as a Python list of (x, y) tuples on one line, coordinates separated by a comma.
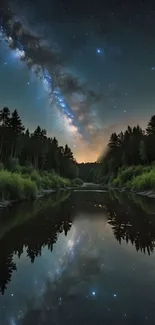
[(136, 178), (27, 182), (14, 187), (126, 175), (143, 182)]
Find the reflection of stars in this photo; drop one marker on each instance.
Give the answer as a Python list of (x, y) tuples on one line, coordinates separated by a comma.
[(13, 322)]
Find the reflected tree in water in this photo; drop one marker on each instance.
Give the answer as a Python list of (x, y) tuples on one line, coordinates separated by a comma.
[(34, 235), (128, 219), (131, 223)]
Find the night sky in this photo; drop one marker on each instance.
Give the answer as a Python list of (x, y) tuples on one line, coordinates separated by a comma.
[(82, 70)]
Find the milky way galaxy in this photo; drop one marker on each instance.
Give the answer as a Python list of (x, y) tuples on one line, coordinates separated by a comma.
[(79, 68)]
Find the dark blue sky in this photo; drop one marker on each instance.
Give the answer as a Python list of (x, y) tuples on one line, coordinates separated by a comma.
[(106, 69)]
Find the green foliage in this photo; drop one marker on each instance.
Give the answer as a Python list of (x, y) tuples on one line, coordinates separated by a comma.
[(29, 189), (12, 164), (32, 150), (124, 176), (89, 172), (136, 178), (128, 155), (14, 187), (26, 169), (77, 182), (143, 182)]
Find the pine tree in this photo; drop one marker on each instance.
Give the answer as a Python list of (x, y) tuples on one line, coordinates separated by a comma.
[(16, 123), (150, 130)]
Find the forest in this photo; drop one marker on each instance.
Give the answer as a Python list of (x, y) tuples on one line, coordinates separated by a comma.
[(31, 161), (130, 158)]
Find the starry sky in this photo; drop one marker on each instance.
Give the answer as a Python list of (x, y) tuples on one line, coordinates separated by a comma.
[(80, 70)]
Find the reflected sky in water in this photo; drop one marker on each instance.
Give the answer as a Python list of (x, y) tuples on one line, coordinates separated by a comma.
[(88, 278)]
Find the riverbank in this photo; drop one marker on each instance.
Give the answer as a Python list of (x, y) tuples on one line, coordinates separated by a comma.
[(29, 184), (135, 179)]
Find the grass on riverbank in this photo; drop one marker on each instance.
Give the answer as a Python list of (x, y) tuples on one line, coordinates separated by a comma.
[(14, 187), (26, 186), (24, 183), (135, 178)]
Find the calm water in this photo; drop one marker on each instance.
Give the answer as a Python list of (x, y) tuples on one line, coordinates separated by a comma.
[(83, 259)]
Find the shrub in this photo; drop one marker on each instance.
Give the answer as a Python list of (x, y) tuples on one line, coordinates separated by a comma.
[(26, 170), (35, 177), (29, 189), (124, 176), (144, 182), (77, 182), (14, 187)]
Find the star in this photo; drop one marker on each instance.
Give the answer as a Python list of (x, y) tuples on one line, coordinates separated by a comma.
[(93, 293), (114, 295), (98, 51)]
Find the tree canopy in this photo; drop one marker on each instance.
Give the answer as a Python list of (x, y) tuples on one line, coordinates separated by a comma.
[(132, 147), (36, 148)]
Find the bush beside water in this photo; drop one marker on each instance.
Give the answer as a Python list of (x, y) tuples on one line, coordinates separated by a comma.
[(135, 178), (14, 187), (77, 182), (27, 182)]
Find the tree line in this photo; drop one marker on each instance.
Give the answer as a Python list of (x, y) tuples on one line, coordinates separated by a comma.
[(35, 149), (135, 146)]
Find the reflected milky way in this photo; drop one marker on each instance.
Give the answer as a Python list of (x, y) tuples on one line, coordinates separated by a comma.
[(65, 264)]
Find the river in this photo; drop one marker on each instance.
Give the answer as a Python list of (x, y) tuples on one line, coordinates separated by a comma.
[(78, 259)]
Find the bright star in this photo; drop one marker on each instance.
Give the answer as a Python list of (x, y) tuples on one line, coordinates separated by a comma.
[(115, 295), (99, 51), (93, 293)]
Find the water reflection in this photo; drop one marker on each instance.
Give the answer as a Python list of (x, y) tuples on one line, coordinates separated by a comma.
[(63, 265)]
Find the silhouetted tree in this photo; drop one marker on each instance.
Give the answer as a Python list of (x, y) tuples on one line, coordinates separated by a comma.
[(36, 149)]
